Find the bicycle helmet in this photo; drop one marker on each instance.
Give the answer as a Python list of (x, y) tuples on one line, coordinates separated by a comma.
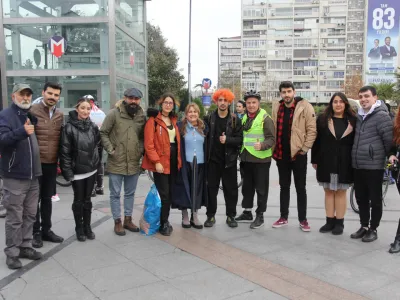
[(252, 94)]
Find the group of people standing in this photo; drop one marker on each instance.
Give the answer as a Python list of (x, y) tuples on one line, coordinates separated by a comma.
[(189, 159), (217, 142)]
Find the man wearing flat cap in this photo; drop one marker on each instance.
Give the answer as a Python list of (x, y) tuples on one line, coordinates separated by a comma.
[(122, 135), (20, 168)]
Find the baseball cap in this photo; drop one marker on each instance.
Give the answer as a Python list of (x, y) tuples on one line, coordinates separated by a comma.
[(20, 87), (133, 92)]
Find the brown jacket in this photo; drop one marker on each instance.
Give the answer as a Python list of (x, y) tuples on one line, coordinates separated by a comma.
[(48, 132), (304, 127)]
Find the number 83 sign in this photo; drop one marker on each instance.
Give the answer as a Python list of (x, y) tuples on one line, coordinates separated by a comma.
[(383, 17)]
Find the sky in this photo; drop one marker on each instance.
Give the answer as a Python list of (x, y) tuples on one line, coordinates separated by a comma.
[(211, 19)]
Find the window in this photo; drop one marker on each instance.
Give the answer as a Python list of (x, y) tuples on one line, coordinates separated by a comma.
[(129, 55), (74, 87), (131, 14), (87, 46), (54, 8)]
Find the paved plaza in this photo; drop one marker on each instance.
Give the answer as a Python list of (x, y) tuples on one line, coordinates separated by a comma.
[(216, 263)]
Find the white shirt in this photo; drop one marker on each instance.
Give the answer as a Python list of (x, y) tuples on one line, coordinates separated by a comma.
[(51, 110), (388, 47)]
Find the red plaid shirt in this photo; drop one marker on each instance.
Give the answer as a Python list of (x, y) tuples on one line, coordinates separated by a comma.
[(278, 152)]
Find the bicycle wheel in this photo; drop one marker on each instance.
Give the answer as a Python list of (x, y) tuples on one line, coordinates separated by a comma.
[(353, 200), (150, 175), (62, 182), (385, 187)]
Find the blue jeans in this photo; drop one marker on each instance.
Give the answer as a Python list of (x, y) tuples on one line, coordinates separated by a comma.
[(115, 185)]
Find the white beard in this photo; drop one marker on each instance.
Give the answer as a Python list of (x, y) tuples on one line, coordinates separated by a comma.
[(23, 106)]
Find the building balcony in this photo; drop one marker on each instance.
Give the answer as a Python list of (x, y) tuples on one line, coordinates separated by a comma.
[(306, 3), (274, 16), (332, 68)]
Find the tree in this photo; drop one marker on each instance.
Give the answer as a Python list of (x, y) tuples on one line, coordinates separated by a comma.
[(385, 91), (28, 64), (162, 63), (201, 106), (229, 80), (352, 85)]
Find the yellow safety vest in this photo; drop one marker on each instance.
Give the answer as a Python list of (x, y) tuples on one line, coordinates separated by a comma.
[(255, 134)]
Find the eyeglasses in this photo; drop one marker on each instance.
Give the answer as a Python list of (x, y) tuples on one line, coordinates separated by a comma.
[(168, 103)]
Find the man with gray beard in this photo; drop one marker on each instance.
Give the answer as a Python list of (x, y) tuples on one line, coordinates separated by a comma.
[(20, 168)]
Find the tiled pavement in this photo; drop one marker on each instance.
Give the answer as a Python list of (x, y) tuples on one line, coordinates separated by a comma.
[(216, 263)]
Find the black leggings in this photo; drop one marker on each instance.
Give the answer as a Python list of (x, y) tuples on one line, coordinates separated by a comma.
[(82, 193)]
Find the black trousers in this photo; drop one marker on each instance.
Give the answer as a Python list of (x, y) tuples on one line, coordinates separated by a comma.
[(164, 183), (99, 176), (299, 169), (216, 172), (82, 205), (368, 188), (256, 179), (47, 189)]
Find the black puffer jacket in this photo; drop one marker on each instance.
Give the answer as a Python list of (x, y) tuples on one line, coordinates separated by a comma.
[(80, 147)]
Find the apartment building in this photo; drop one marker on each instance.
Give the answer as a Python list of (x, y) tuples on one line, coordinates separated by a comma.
[(229, 62), (314, 43)]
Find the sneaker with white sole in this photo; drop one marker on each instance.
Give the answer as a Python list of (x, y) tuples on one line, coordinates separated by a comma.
[(304, 226), (55, 198), (280, 223)]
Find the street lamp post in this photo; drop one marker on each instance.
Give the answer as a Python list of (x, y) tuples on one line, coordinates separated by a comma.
[(190, 51)]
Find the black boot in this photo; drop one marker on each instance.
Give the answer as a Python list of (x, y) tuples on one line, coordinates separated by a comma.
[(330, 224), (87, 214), (77, 209), (395, 247), (339, 226)]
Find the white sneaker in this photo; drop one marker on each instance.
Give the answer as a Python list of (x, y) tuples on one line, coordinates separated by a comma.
[(55, 198)]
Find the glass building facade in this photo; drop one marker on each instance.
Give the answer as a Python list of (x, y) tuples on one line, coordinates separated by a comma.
[(104, 51)]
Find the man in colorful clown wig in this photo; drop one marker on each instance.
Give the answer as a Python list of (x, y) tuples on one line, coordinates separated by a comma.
[(223, 144)]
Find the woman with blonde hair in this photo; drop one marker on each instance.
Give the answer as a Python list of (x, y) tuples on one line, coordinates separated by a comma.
[(193, 132)]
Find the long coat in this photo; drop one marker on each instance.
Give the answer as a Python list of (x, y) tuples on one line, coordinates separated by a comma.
[(123, 134), (333, 155), (181, 192)]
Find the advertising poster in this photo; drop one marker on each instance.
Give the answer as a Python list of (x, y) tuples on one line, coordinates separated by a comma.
[(206, 100), (382, 42)]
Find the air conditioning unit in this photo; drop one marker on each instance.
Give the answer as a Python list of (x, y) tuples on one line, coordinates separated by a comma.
[(264, 68), (270, 5), (315, 45), (262, 3), (331, 67), (250, 68), (324, 45), (272, 14), (325, 77), (326, 14), (262, 15)]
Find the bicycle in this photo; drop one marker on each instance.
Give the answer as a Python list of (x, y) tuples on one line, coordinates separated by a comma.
[(385, 186), (240, 179)]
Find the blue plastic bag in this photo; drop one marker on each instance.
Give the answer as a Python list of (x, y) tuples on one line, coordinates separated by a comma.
[(150, 220)]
